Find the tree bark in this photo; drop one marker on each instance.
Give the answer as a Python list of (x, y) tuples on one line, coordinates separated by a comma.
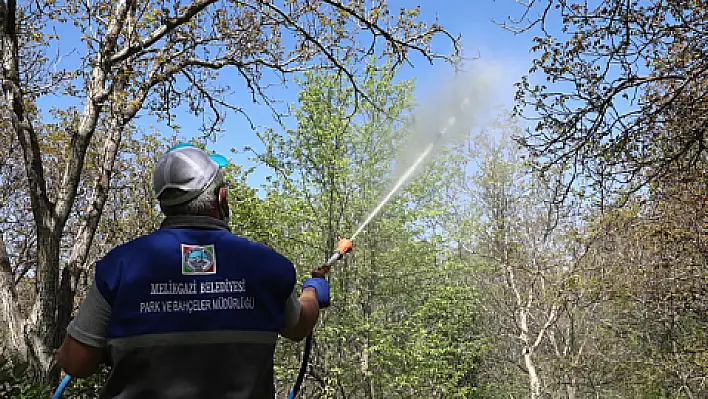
[(10, 311), (42, 322), (534, 382)]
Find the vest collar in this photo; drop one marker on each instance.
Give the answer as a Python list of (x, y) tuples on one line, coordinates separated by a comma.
[(194, 222)]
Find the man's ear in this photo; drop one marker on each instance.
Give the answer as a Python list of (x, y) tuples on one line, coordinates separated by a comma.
[(222, 194), (224, 203)]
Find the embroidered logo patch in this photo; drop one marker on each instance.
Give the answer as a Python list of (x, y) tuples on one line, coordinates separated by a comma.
[(198, 259)]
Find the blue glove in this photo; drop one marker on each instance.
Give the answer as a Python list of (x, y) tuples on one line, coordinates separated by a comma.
[(321, 286)]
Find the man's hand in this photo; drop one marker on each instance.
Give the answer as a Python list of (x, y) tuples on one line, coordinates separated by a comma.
[(321, 286)]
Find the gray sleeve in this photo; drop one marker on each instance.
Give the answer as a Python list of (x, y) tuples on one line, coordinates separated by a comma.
[(89, 325), (292, 310)]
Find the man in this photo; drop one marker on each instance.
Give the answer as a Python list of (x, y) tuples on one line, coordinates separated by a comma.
[(191, 310)]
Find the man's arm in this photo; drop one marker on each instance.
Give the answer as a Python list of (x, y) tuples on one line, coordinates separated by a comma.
[(82, 351), (309, 313), (79, 360)]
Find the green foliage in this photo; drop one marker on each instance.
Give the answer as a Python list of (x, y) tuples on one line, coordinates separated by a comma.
[(402, 323), (87, 388), (17, 382), (656, 287)]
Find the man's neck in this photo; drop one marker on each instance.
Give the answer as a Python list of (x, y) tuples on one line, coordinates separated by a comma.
[(194, 222)]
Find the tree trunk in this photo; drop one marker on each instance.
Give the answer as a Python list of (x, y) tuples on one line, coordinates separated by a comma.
[(39, 331), (534, 382), (41, 325), (65, 302)]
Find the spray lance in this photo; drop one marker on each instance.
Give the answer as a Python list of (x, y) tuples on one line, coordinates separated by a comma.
[(343, 246)]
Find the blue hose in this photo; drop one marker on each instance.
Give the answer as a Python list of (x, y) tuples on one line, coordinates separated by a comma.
[(64, 382)]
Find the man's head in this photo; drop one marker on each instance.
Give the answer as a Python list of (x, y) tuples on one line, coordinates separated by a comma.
[(188, 181)]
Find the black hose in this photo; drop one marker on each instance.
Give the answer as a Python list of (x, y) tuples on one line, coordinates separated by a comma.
[(303, 367)]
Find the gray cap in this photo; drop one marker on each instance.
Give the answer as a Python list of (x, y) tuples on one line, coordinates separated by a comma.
[(186, 168)]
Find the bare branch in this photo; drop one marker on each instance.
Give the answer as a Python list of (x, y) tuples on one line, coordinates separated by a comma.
[(21, 124), (169, 25), (400, 47), (97, 92)]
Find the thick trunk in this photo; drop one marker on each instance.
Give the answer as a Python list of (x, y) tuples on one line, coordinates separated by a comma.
[(44, 328), (65, 303), (97, 93), (39, 329), (12, 321), (42, 322)]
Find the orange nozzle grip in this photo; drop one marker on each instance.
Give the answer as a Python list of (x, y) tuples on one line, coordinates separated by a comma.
[(344, 245)]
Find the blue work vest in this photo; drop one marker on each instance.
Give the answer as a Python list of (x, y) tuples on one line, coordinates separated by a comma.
[(195, 313)]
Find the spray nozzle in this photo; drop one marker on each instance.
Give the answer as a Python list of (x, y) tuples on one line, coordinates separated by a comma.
[(344, 245)]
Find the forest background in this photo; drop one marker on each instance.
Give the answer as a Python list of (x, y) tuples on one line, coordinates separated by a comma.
[(554, 246)]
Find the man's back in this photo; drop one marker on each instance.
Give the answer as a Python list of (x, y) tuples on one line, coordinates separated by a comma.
[(194, 313)]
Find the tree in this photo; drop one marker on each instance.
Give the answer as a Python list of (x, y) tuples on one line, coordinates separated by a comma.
[(527, 262), (387, 333), (621, 98), (130, 208), (156, 58), (623, 111), (650, 272)]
